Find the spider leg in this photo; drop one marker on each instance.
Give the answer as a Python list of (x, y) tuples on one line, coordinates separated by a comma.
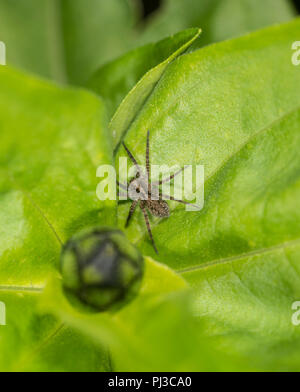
[(148, 227), (157, 183), (165, 197), (148, 155), (134, 161), (131, 211)]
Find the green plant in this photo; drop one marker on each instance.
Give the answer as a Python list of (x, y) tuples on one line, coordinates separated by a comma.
[(219, 295)]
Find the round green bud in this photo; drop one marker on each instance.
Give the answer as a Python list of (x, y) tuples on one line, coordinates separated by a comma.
[(101, 269)]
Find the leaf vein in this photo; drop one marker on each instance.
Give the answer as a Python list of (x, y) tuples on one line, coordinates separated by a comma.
[(38, 209), (230, 259)]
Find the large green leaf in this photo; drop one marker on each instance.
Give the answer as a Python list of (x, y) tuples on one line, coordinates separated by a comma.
[(234, 108), (51, 142)]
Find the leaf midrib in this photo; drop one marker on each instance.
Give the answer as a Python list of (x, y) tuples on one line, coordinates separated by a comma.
[(180, 52), (251, 138)]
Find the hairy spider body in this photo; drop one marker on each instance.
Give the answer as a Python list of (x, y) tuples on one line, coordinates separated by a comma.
[(158, 208), (140, 190), (146, 195)]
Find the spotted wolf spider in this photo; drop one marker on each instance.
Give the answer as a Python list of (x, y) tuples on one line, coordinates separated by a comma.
[(144, 190)]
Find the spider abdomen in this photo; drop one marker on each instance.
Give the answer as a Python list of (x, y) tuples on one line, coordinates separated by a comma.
[(158, 208)]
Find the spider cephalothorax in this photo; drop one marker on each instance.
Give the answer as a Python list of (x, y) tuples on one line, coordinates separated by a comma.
[(147, 195)]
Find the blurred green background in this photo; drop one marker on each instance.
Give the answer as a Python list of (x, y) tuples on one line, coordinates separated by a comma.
[(68, 40)]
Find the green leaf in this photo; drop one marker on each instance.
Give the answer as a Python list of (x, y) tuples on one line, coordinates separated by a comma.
[(34, 342), (148, 63), (51, 143), (65, 40), (219, 20), (233, 107), (246, 302)]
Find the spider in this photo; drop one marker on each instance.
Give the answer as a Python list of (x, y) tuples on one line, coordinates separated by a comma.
[(144, 189)]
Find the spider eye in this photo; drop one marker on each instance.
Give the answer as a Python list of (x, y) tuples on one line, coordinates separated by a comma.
[(138, 190), (101, 269)]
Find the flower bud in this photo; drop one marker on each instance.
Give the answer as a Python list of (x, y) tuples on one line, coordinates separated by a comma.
[(101, 269)]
